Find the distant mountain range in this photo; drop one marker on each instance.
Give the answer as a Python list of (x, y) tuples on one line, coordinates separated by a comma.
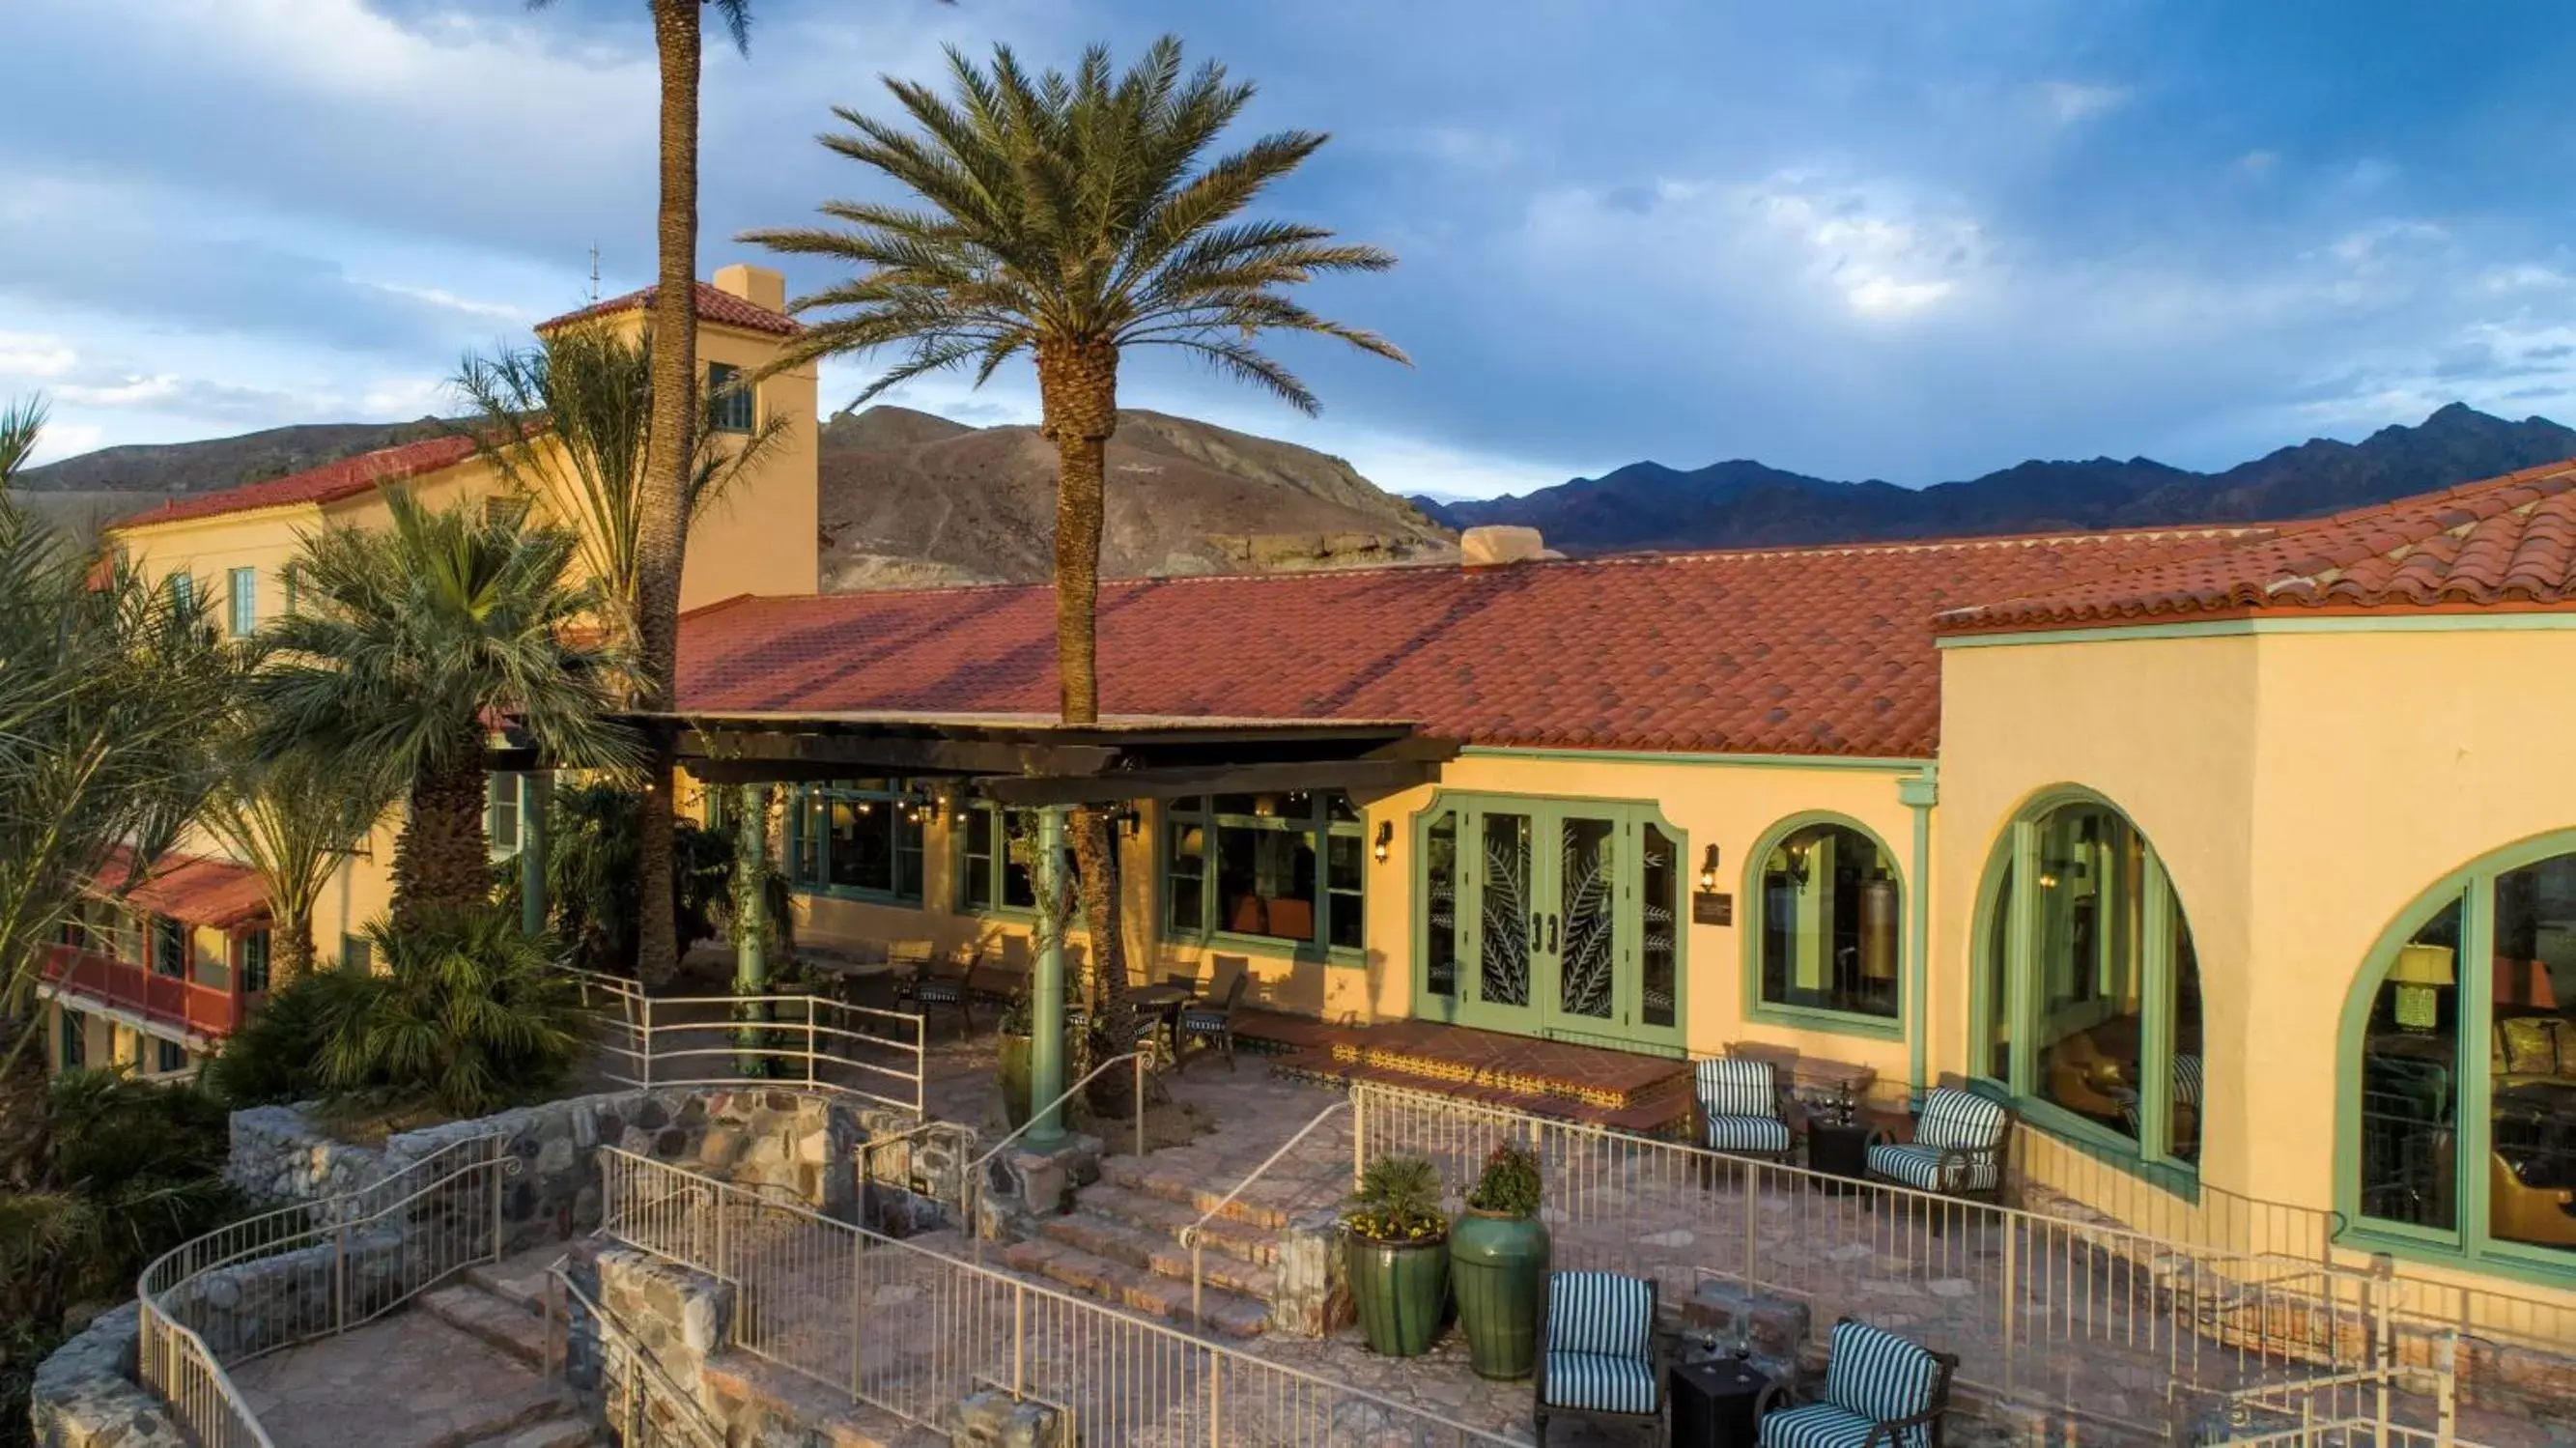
[(1747, 504)]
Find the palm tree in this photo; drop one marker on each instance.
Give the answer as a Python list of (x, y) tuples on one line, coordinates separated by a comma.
[(292, 820), (661, 534), (409, 645), (1070, 217), (591, 460)]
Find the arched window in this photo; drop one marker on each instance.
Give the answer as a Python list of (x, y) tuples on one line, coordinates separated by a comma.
[(1827, 920), (2089, 986), (2460, 1052)]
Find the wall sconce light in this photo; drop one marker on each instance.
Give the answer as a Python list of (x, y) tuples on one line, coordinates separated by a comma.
[(1385, 841), (1708, 869), (1130, 820)]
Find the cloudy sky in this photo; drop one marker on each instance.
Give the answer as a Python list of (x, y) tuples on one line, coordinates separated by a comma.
[(1906, 240)]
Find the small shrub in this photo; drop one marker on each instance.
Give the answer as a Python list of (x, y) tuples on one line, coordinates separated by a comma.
[(1510, 1184), (1398, 1202)]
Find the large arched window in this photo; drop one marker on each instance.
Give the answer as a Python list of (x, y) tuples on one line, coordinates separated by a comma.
[(2088, 985), (1822, 945), (2460, 1056)]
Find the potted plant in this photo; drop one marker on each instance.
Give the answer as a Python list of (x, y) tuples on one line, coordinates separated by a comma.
[(1013, 1066), (1395, 1248), (1498, 1257)]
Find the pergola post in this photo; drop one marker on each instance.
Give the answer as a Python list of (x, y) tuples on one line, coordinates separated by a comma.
[(536, 802), (1046, 983), (751, 921)]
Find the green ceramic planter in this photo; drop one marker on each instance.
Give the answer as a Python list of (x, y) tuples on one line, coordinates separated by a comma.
[(1400, 1293), (1497, 1263), (1013, 1071)]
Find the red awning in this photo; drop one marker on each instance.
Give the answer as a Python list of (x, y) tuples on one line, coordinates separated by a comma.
[(191, 888)]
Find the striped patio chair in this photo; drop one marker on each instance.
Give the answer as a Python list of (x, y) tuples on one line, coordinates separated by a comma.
[(1880, 1391), (954, 986), (1213, 1024), (1739, 1108), (1596, 1353), (1957, 1150)]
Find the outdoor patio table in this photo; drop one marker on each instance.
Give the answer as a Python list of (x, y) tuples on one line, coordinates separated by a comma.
[(1838, 1151), (1713, 1403), (1164, 1000)]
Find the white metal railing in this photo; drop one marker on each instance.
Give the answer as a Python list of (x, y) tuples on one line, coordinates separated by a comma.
[(1194, 1236), (910, 1331), (2099, 1323), (631, 1391), (309, 1271), (809, 1040), (971, 1181)]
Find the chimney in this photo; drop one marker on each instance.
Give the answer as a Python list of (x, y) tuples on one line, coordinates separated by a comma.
[(758, 285), (1494, 545)]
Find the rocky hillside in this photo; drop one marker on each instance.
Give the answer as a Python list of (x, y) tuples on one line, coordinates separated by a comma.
[(1746, 504)]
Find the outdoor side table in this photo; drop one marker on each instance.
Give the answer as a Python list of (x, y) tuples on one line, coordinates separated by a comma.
[(1841, 1151), (1713, 1403)]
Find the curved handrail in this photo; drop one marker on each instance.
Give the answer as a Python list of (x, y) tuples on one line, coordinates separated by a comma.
[(701, 1426), (974, 1173), (1191, 1235)]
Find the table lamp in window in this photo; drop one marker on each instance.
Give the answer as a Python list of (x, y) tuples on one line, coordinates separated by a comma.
[(2421, 973)]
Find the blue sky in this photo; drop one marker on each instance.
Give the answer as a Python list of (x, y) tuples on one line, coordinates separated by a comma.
[(1909, 240)]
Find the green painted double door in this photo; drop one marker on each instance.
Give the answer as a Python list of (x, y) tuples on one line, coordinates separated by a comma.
[(1551, 917)]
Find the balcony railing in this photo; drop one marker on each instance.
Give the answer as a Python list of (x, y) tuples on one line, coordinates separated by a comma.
[(122, 985)]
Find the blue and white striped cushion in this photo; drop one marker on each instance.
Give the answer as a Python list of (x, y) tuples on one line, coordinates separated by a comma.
[(1818, 1425), (1747, 1133), (1202, 1021), (940, 992), (1735, 1086), (1919, 1167), (1599, 1382), (1600, 1312), (1958, 1118), (1879, 1375)]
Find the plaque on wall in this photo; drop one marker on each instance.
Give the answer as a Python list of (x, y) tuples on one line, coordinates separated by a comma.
[(1712, 907)]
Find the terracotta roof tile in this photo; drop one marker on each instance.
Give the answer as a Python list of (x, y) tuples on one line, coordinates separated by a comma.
[(193, 888), (723, 308), (1789, 651), (346, 478), (2505, 542)]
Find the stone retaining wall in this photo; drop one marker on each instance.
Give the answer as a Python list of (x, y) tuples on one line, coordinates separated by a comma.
[(85, 1395)]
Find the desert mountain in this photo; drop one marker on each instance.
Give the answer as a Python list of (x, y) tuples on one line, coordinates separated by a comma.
[(1746, 504)]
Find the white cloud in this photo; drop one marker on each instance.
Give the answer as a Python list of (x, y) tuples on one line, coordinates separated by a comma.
[(61, 440), (34, 355), (2072, 101)]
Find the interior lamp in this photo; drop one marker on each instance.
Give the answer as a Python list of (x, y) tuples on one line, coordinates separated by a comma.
[(1708, 869), (2421, 973)]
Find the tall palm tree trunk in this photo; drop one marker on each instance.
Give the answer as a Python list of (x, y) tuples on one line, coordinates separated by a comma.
[(441, 860), (1078, 399), (661, 534), (290, 950)]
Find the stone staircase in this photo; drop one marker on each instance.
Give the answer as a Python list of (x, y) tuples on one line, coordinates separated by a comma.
[(1122, 1244), (502, 1305)]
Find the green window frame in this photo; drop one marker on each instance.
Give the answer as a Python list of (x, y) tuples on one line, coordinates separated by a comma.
[(2140, 935), (74, 1045), (357, 953), (254, 962), (504, 798), (1304, 850), (168, 1057), (858, 839), (241, 596), (993, 848), (1814, 840), (169, 948), (2464, 908), (730, 400)]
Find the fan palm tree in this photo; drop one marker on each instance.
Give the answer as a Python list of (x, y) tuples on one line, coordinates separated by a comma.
[(292, 820), (661, 531), (409, 645), (590, 462), (1071, 218)]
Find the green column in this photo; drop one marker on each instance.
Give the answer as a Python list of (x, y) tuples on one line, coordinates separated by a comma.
[(1046, 983), (1919, 793), (536, 801), (750, 919)]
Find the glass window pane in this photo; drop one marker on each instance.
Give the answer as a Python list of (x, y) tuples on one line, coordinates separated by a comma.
[(1019, 848), (2410, 1082), (2090, 964), (1830, 923), (1344, 881), (861, 848), (254, 958), (1586, 883), (169, 948), (1506, 912), (2184, 1111), (1660, 888), (1440, 892), (2532, 1161), (1265, 881), (501, 812), (976, 849), (905, 818), (1999, 1014), (1184, 871)]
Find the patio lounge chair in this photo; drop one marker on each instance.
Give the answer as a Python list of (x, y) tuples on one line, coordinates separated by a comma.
[(1596, 1353), (1957, 1150), (1213, 1024), (1739, 1108), (1880, 1391), (958, 985)]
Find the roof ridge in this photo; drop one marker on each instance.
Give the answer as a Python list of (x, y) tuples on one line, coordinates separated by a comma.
[(321, 483)]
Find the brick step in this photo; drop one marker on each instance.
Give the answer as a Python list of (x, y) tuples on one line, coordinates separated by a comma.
[(1163, 1176), (1169, 1218), (1159, 1254), (1661, 1112), (499, 1323), (1136, 1289)]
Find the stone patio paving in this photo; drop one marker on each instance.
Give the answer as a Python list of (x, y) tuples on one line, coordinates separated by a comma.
[(407, 1381)]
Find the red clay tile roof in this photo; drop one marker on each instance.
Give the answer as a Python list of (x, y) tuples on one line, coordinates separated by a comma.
[(713, 306), (2508, 542), (1791, 651), (192, 888), (332, 481)]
